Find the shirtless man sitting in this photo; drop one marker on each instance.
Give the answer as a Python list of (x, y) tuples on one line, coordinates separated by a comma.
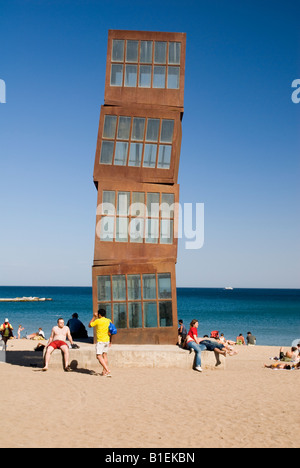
[(57, 340)]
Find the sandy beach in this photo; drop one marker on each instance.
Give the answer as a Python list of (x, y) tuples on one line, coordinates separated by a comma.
[(243, 406)]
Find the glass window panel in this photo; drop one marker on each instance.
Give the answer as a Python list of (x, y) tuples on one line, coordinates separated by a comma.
[(174, 53), (138, 204), (130, 76), (164, 157), (149, 286), (146, 52), (109, 127), (121, 153), (150, 314), (116, 76), (135, 155), (173, 77), (137, 230), (145, 76), (160, 52), (107, 308), (117, 50), (107, 227), (123, 203), (166, 231), (152, 231), (134, 287), (104, 288), (107, 152), (120, 315), (119, 287), (164, 286), (167, 129), (150, 156), (165, 314), (122, 230), (167, 205), (124, 128), (138, 129), (153, 205), (108, 202), (159, 77), (135, 315), (152, 130), (132, 51)]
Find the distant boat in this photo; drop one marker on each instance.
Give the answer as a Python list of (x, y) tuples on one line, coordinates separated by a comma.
[(26, 299), (229, 288)]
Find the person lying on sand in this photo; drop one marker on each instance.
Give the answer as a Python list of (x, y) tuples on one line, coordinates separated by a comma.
[(283, 365)]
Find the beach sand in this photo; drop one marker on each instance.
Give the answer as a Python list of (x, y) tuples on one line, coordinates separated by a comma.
[(243, 406)]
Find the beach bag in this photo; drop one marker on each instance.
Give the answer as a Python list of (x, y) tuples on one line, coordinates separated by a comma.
[(112, 329), (215, 334)]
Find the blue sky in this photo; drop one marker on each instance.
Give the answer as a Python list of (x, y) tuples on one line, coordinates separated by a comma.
[(240, 148)]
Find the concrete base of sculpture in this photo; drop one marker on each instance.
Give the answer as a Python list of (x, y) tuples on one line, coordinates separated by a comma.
[(125, 356)]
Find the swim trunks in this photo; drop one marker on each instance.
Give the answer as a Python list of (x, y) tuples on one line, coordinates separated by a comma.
[(57, 344)]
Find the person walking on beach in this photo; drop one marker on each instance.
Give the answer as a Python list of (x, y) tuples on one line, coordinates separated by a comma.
[(193, 342), (6, 331), (103, 337), (57, 340)]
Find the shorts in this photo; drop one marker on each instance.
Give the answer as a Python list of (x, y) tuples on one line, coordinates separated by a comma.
[(57, 344), (102, 347)]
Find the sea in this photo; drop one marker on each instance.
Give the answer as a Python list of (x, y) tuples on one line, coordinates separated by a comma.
[(272, 315)]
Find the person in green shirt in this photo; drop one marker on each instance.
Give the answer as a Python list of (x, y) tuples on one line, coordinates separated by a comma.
[(101, 325)]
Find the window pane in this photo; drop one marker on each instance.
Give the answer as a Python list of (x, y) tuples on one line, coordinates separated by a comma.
[(174, 53), (150, 156), (124, 128), (146, 52), (153, 205), (160, 52), (107, 308), (164, 286), (117, 50), (107, 152), (145, 76), (152, 231), (104, 288), (167, 128), (116, 77), (123, 203), (132, 51), (167, 205), (152, 130), (159, 77), (107, 227), (166, 231), (150, 314), (165, 314), (120, 315), (130, 75), (135, 315), (122, 230), (135, 155), (138, 204), (108, 202), (136, 230), (138, 129), (173, 77), (109, 128), (149, 286), (121, 153), (164, 157), (134, 287), (119, 288)]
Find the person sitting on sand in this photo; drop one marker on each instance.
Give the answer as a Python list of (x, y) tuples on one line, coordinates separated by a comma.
[(40, 335), (251, 340), (289, 356), (57, 340), (240, 340), (225, 341)]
